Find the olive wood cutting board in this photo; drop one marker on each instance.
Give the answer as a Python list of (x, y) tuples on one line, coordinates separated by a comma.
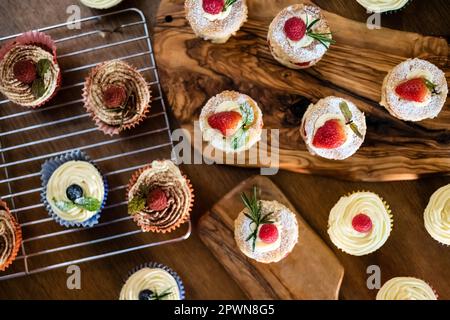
[(193, 70), (311, 271)]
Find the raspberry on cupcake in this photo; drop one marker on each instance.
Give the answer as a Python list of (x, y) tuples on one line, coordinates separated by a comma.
[(406, 288), (265, 231), (414, 90), (299, 36), (360, 223), (231, 122), (216, 20), (29, 71), (437, 215), (10, 237), (333, 128)]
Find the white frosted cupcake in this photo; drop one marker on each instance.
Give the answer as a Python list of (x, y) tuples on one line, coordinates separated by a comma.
[(360, 223), (414, 90), (216, 20), (406, 288), (231, 122), (299, 36), (266, 231), (437, 215), (333, 128), (100, 4), (383, 5)]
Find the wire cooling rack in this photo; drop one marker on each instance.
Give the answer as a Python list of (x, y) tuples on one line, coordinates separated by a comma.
[(29, 137)]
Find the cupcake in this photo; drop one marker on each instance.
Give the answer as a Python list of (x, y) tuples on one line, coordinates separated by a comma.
[(299, 36), (406, 288), (216, 20), (10, 237), (29, 71), (117, 96), (100, 4), (73, 189), (265, 231), (360, 223), (160, 197), (231, 122), (382, 5), (153, 281), (437, 215), (414, 90), (333, 128)]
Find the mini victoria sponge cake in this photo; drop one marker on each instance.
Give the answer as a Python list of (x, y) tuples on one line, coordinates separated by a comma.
[(360, 223), (265, 231), (414, 90), (406, 288), (299, 36), (333, 128), (437, 215), (10, 237), (231, 122), (216, 20)]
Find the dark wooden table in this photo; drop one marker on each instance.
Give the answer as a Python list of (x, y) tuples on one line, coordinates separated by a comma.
[(409, 251)]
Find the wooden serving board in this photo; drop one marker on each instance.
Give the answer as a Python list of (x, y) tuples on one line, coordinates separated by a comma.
[(193, 70), (310, 271)]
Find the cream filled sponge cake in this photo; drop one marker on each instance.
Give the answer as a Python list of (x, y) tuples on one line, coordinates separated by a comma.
[(299, 36), (333, 128), (265, 231), (360, 223), (216, 20), (153, 281), (383, 5), (231, 122), (406, 288), (437, 215), (414, 90)]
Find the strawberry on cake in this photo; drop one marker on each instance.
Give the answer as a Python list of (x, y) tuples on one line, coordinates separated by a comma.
[(266, 231), (333, 128), (231, 122), (299, 36), (216, 20), (414, 90)]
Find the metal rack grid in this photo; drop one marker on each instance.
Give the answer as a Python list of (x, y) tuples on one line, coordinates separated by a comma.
[(98, 32)]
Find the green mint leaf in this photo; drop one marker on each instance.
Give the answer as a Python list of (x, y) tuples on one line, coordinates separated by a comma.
[(135, 205), (346, 111), (227, 4), (38, 88), (430, 85), (88, 203), (247, 114), (63, 205), (239, 139), (43, 66)]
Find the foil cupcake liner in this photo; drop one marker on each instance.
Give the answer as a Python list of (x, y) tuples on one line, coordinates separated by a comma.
[(104, 127), (18, 232), (156, 265), (47, 170), (148, 228)]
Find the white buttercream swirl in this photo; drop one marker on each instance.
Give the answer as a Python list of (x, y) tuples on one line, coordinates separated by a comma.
[(100, 4), (382, 5), (406, 288), (437, 215)]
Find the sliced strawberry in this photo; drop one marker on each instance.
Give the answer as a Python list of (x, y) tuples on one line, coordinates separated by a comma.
[(157, 200), (330, 136), (268, 233), (226, 122), (25, 71), (362, 223), (415, 90), (295, 28), (114, 96), (213, 6)]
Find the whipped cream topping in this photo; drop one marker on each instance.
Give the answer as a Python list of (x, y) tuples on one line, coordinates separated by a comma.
[(7, 236), (382, 5), (437, 215), (81, 173), (155, 279), (100, 4), (406, 288), (345, 237)]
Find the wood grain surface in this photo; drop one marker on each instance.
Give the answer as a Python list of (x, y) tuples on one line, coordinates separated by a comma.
[(194, 70), (410, 251), (310, 272)]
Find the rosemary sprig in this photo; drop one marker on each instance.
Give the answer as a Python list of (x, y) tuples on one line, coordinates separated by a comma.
[(431, 86), (162, 295), (227, 4), (254, 214), (349, 118), (324, 38)]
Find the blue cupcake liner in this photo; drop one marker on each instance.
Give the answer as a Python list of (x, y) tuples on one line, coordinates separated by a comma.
[(47, 170), (164, 267)]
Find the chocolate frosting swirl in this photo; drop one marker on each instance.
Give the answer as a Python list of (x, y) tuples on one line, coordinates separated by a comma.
[(7, 236), (119, 73), (166, 176)]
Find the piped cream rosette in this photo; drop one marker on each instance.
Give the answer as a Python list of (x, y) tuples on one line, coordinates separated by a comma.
[(437, 215), (342, 232), (100, 4), (406, 288), (382, 5)]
